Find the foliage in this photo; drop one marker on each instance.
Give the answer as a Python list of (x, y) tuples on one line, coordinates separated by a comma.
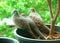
[(6, 7), (7, 31)]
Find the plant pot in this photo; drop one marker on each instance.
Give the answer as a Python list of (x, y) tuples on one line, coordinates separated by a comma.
[(24, 37), (7, 40)]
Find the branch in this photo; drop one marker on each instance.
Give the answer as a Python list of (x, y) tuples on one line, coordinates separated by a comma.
[(55, 18), (58, 10), (49, 4)]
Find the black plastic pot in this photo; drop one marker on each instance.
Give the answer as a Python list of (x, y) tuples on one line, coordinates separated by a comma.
[(7, 40), (24, 37)]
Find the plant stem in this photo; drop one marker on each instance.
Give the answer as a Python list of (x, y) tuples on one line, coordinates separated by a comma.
[(55, 18), (52, 27), (58, 10), (49, 4)]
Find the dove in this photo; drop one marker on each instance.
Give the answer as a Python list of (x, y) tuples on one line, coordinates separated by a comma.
[(38, 20), (21, 23)]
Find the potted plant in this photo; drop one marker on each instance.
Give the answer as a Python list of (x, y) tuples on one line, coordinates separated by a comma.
[(32, 29), (7, 40)]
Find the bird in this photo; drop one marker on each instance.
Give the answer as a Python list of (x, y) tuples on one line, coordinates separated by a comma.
[(22, 14), (22, 21), (38, 21)]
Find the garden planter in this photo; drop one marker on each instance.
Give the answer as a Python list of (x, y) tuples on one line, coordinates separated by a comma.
[(7, 40), (24, 37)]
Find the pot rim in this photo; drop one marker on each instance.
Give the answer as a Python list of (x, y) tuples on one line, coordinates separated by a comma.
[(9, 39), (31, 38)]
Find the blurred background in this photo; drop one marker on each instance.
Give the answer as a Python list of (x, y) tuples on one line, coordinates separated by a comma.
[(23, 6)]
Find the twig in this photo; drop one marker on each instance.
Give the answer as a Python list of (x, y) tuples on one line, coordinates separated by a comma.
[(50, 7), (58, 10)]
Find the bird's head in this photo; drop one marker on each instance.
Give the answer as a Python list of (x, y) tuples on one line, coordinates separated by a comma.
[(15, 12), (22, 14), (32, 10)]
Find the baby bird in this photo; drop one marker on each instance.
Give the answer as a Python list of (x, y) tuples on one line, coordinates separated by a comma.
[(25, 22), (38, 20)]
